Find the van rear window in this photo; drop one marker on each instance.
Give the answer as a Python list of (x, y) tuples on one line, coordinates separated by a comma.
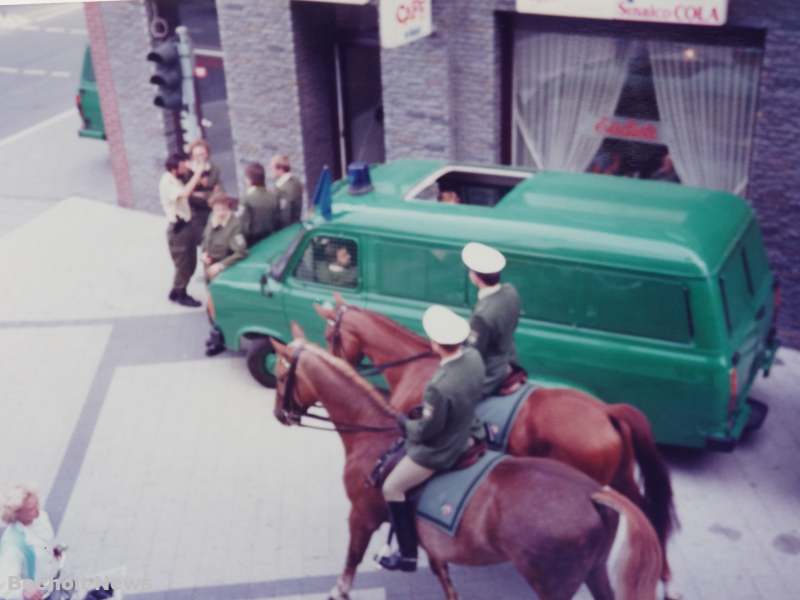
[(743, 274), (602, 300)]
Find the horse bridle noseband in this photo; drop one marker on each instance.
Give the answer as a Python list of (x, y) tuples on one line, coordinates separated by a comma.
[(370, 370), (293, 413)]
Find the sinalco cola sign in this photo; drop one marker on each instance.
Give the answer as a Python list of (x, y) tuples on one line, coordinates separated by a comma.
[(683, 12), (403, 21)]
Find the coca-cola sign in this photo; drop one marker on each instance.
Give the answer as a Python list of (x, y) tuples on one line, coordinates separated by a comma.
[(638, 130), (684, 12)]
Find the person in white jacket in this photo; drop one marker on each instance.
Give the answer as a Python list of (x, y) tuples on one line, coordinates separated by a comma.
[(28, 551)]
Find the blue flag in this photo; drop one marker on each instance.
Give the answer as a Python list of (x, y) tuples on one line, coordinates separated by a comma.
[(322, 194)]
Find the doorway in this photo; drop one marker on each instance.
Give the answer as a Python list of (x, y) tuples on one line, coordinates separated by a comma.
[(359, 103)]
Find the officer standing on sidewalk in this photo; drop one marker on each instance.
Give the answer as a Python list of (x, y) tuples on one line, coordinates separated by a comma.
[(180, 238)]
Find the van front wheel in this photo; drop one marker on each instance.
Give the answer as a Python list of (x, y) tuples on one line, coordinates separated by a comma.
[(261, 362)]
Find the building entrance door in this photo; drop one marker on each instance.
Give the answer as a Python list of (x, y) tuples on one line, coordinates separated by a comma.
[(359, 103)]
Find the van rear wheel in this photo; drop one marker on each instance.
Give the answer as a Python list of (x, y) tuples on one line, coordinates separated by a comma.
[(261, 362)]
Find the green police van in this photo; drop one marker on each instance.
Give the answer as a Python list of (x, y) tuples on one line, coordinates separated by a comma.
[(650, 293)]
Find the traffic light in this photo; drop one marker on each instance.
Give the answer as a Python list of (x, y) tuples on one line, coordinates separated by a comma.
[(167, 76)]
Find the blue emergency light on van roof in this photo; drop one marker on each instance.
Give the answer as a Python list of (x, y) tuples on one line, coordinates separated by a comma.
[(358, 178)]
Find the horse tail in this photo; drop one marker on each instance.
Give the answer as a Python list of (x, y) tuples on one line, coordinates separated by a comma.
[(641, 558), (658, 499)]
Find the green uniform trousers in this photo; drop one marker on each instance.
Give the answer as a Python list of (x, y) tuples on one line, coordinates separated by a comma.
[(183, 250)]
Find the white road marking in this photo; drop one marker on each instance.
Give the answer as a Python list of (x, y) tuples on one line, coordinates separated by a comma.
[(78, 31), (71, 112), (33, 72), (54, 29)]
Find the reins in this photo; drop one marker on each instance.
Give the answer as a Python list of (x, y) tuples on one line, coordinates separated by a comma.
[(369, 370), (294, 412)]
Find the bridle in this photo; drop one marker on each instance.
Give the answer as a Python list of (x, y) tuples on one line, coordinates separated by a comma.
[(369, 370), (293, 413)]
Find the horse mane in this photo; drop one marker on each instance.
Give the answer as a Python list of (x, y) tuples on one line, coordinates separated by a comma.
[(351, 375), (395, 327)]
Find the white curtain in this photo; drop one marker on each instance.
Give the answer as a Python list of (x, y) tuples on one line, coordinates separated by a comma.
[(562, 84), (707, 102)]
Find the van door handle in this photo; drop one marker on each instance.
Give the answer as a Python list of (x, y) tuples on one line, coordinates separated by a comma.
[(760, 313)]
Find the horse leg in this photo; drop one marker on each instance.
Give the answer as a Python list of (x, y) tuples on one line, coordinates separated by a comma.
[(599, 584), (441, 571), (361, 529), (548, 584)]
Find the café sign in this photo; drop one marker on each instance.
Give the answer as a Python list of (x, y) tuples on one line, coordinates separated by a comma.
[(403, 21), (681, 12)]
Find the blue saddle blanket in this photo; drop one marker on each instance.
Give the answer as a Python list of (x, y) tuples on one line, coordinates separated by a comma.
[(444, 497), (499, 412)]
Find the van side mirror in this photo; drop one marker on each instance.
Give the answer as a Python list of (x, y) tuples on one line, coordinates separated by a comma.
[(264, 281)]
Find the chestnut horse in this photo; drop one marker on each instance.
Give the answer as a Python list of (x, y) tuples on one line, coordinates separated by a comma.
[(555, 524), (602, 440)]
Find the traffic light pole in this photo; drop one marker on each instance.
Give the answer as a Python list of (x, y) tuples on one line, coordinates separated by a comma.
[(189, 119)]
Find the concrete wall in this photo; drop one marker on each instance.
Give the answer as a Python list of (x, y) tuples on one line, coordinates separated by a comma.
[(262, 80), (775, 166), (120, 41)]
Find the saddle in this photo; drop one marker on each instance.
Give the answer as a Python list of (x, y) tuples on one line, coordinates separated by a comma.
[(386, 463), (516, 377)]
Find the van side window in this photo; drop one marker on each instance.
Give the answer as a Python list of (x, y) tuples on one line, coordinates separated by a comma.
[(601, 299), (329, 261), (426, 273)]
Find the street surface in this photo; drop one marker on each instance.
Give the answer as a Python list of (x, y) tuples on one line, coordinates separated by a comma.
[(158, 461)]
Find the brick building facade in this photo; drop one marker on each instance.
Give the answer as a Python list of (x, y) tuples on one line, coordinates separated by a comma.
[(445, 96)]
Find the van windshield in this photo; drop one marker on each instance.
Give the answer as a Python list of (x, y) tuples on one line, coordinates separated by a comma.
[(279, 265)]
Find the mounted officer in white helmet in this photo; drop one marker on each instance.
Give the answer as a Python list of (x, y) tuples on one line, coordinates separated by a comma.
[(495, 316), (436, 441)]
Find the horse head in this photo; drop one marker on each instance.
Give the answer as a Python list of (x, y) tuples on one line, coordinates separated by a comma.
[(343, 341), (293, 393)]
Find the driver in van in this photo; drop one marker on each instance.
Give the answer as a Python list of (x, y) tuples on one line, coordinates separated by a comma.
[(495, 316), (340, 270)]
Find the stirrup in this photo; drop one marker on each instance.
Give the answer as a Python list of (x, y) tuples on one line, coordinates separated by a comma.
[(398, 562)]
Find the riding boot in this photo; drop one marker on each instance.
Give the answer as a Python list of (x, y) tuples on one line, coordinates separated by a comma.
[(401, 515)]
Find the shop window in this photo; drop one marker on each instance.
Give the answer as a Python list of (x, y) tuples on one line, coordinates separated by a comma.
[(434, 275), (634, 104), (329, 261)]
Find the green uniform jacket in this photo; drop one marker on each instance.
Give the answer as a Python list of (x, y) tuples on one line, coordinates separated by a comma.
[(260, 213), (225, 244), (290, 194), (493, 322), (441, 436)]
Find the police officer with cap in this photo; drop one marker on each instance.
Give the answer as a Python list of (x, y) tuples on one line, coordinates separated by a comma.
[(436, 441), (495, 315)]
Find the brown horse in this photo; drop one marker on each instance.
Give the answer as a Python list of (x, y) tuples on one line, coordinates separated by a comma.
[(564, 542), (568, 425)]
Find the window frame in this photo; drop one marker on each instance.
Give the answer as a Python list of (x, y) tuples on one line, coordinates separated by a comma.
[(301, 250)]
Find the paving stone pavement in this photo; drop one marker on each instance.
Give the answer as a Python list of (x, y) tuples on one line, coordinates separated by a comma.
[(171, 465)]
